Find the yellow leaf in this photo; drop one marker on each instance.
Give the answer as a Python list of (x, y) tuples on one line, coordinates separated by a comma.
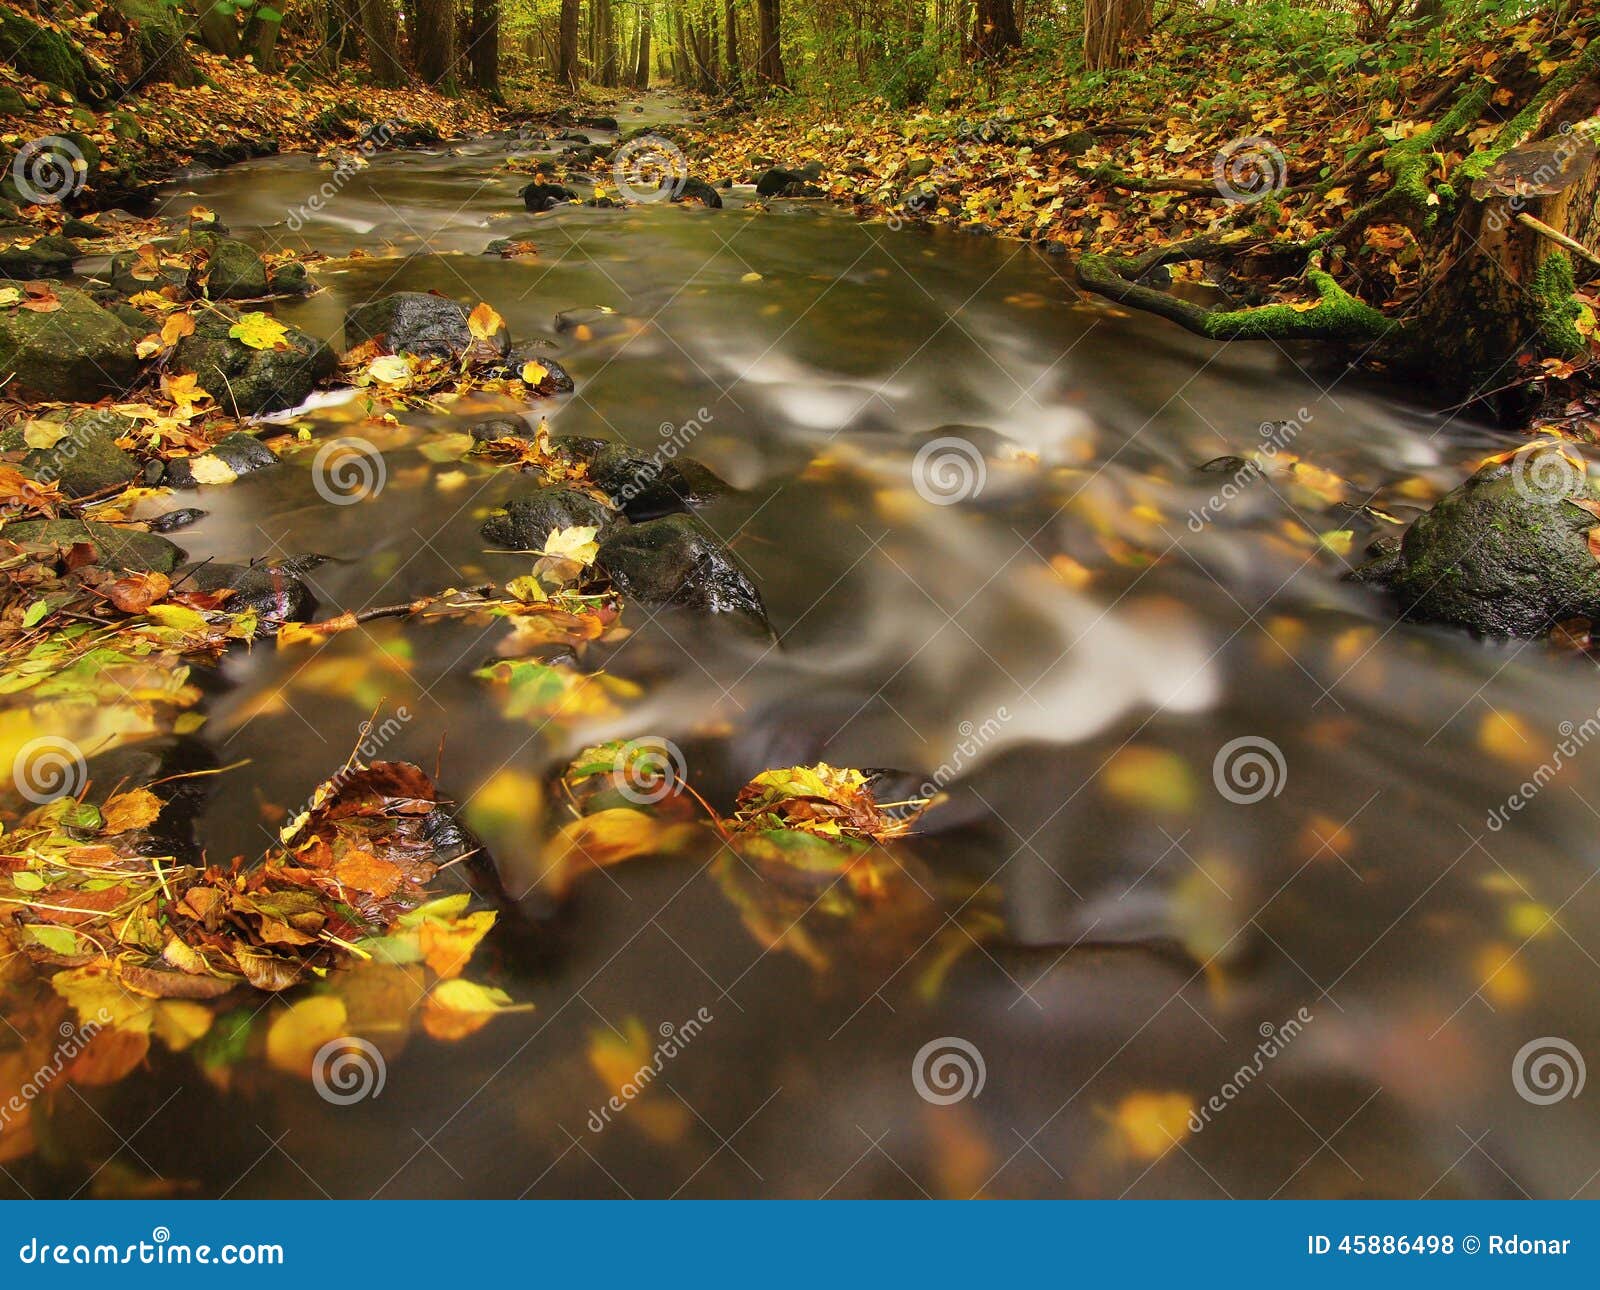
[(300, 1030), (447, 946), (483, 321), (533, 373), (391, 369), (131, 810), (180, 1022), (1147, 1125), (456, 1008), (207, 469), (260, 331), (43, 434), (576, 543)]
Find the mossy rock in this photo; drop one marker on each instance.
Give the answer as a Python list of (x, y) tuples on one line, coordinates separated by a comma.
[(86, 460), (416, 322), (527, 521), (47, 55), (233, 270), (78, 353), (1505, 554), (120, 274), (51, 256), (252, 381), (236, 454), (115, 548)]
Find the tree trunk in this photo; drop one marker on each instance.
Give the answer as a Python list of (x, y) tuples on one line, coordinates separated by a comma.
[(1110, 29), (261, 40), (769, 45), (483, 46), (218, 28), (567, 46), (994, 29), (380, 33), (641, 72), (341, 31), (433, 41), (155, 48), (730, 20), (606, 40)]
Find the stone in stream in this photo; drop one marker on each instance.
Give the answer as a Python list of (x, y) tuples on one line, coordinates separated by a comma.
[(777, 181), (290, 279), (276, 590), (542, 197), (79, 352), (171, 521), (678, 561), (231, 270), (235, 454), (526, 522), (44, 257), (1506, 553), (643, 485), (556, 378), (697, 190), (85, 460), (124, 269), (115, 548), (251, 381), (416, 322)]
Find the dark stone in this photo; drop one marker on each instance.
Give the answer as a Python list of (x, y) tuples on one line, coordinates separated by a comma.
[(500, 428), (1506, 553), (678, 561), (78, 353), (599, 122), (697, 190), (776, 180), (1224, 466), (800, 189), (241, 453), (542, 197), (290, 279), (44, 257), (115, 548), (416, 322), (86, 460), (571, 136), (917, 167), (252, 381), (275, 590), (178, 519), (645, 485), (527, 521), (232, 271), (121, 275)]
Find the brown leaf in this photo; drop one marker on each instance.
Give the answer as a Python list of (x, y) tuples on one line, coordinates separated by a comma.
[(366, 872)]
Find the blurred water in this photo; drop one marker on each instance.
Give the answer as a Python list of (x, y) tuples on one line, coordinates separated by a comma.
[(1075, 643)]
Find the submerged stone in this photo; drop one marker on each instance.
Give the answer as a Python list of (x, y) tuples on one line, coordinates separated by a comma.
[(679, 561), (276, 591), (115, 548), (78, 353), (526, 522)]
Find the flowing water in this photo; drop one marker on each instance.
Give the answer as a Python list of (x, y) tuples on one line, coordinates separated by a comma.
[(1118, 906)]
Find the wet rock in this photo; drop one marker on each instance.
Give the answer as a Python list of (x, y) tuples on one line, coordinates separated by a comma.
[(775, 180), (801, 189), (238, 453), (1224, 466), (917, 167), (115, 548), (500, 428), (124, 270), (556, 379), (697, 190), (231, 270), (678, 561), (646, 485), (290, 279), (592, 322), (416, 322), (85, 460), (543, 197), (599, 122), (1506, 553), (181, 518), (276, 590), (44, 257), (79, 352), (526, 522), (571, 136), (252, 381)]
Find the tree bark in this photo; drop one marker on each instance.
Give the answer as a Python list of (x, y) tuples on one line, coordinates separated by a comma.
[(641, 72), (769, 46), (567, 45), (730, 20), (483, 46), (1110, 29), (994, 29), (380, 34), (433, 41)]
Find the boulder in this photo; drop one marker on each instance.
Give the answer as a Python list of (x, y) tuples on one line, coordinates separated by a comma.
[(44, 257), (115, 548), (120, 274), (86, 460), (171, 521), (416, 322), (775, 180), (237, 454), (543, 197), (1505, 554), (526, 522), (78, 353), (678, 561), (290, 279), (252, 381), (231, 270), (645, 485), (697, 190), (277, 591)]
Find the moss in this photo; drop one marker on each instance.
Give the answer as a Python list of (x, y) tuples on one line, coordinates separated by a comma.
[(1555, 310), (47, 55)]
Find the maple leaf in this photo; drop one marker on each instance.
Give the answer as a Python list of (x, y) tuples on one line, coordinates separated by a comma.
[(260, 331)]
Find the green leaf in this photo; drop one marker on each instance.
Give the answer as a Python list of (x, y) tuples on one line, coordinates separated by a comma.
[(58, 940), (37, 610), (268, 14)]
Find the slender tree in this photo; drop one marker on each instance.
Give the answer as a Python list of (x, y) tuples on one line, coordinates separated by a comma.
[(567, 45), (1111, 28), (994, 28), (380, 33), (769, 44)]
